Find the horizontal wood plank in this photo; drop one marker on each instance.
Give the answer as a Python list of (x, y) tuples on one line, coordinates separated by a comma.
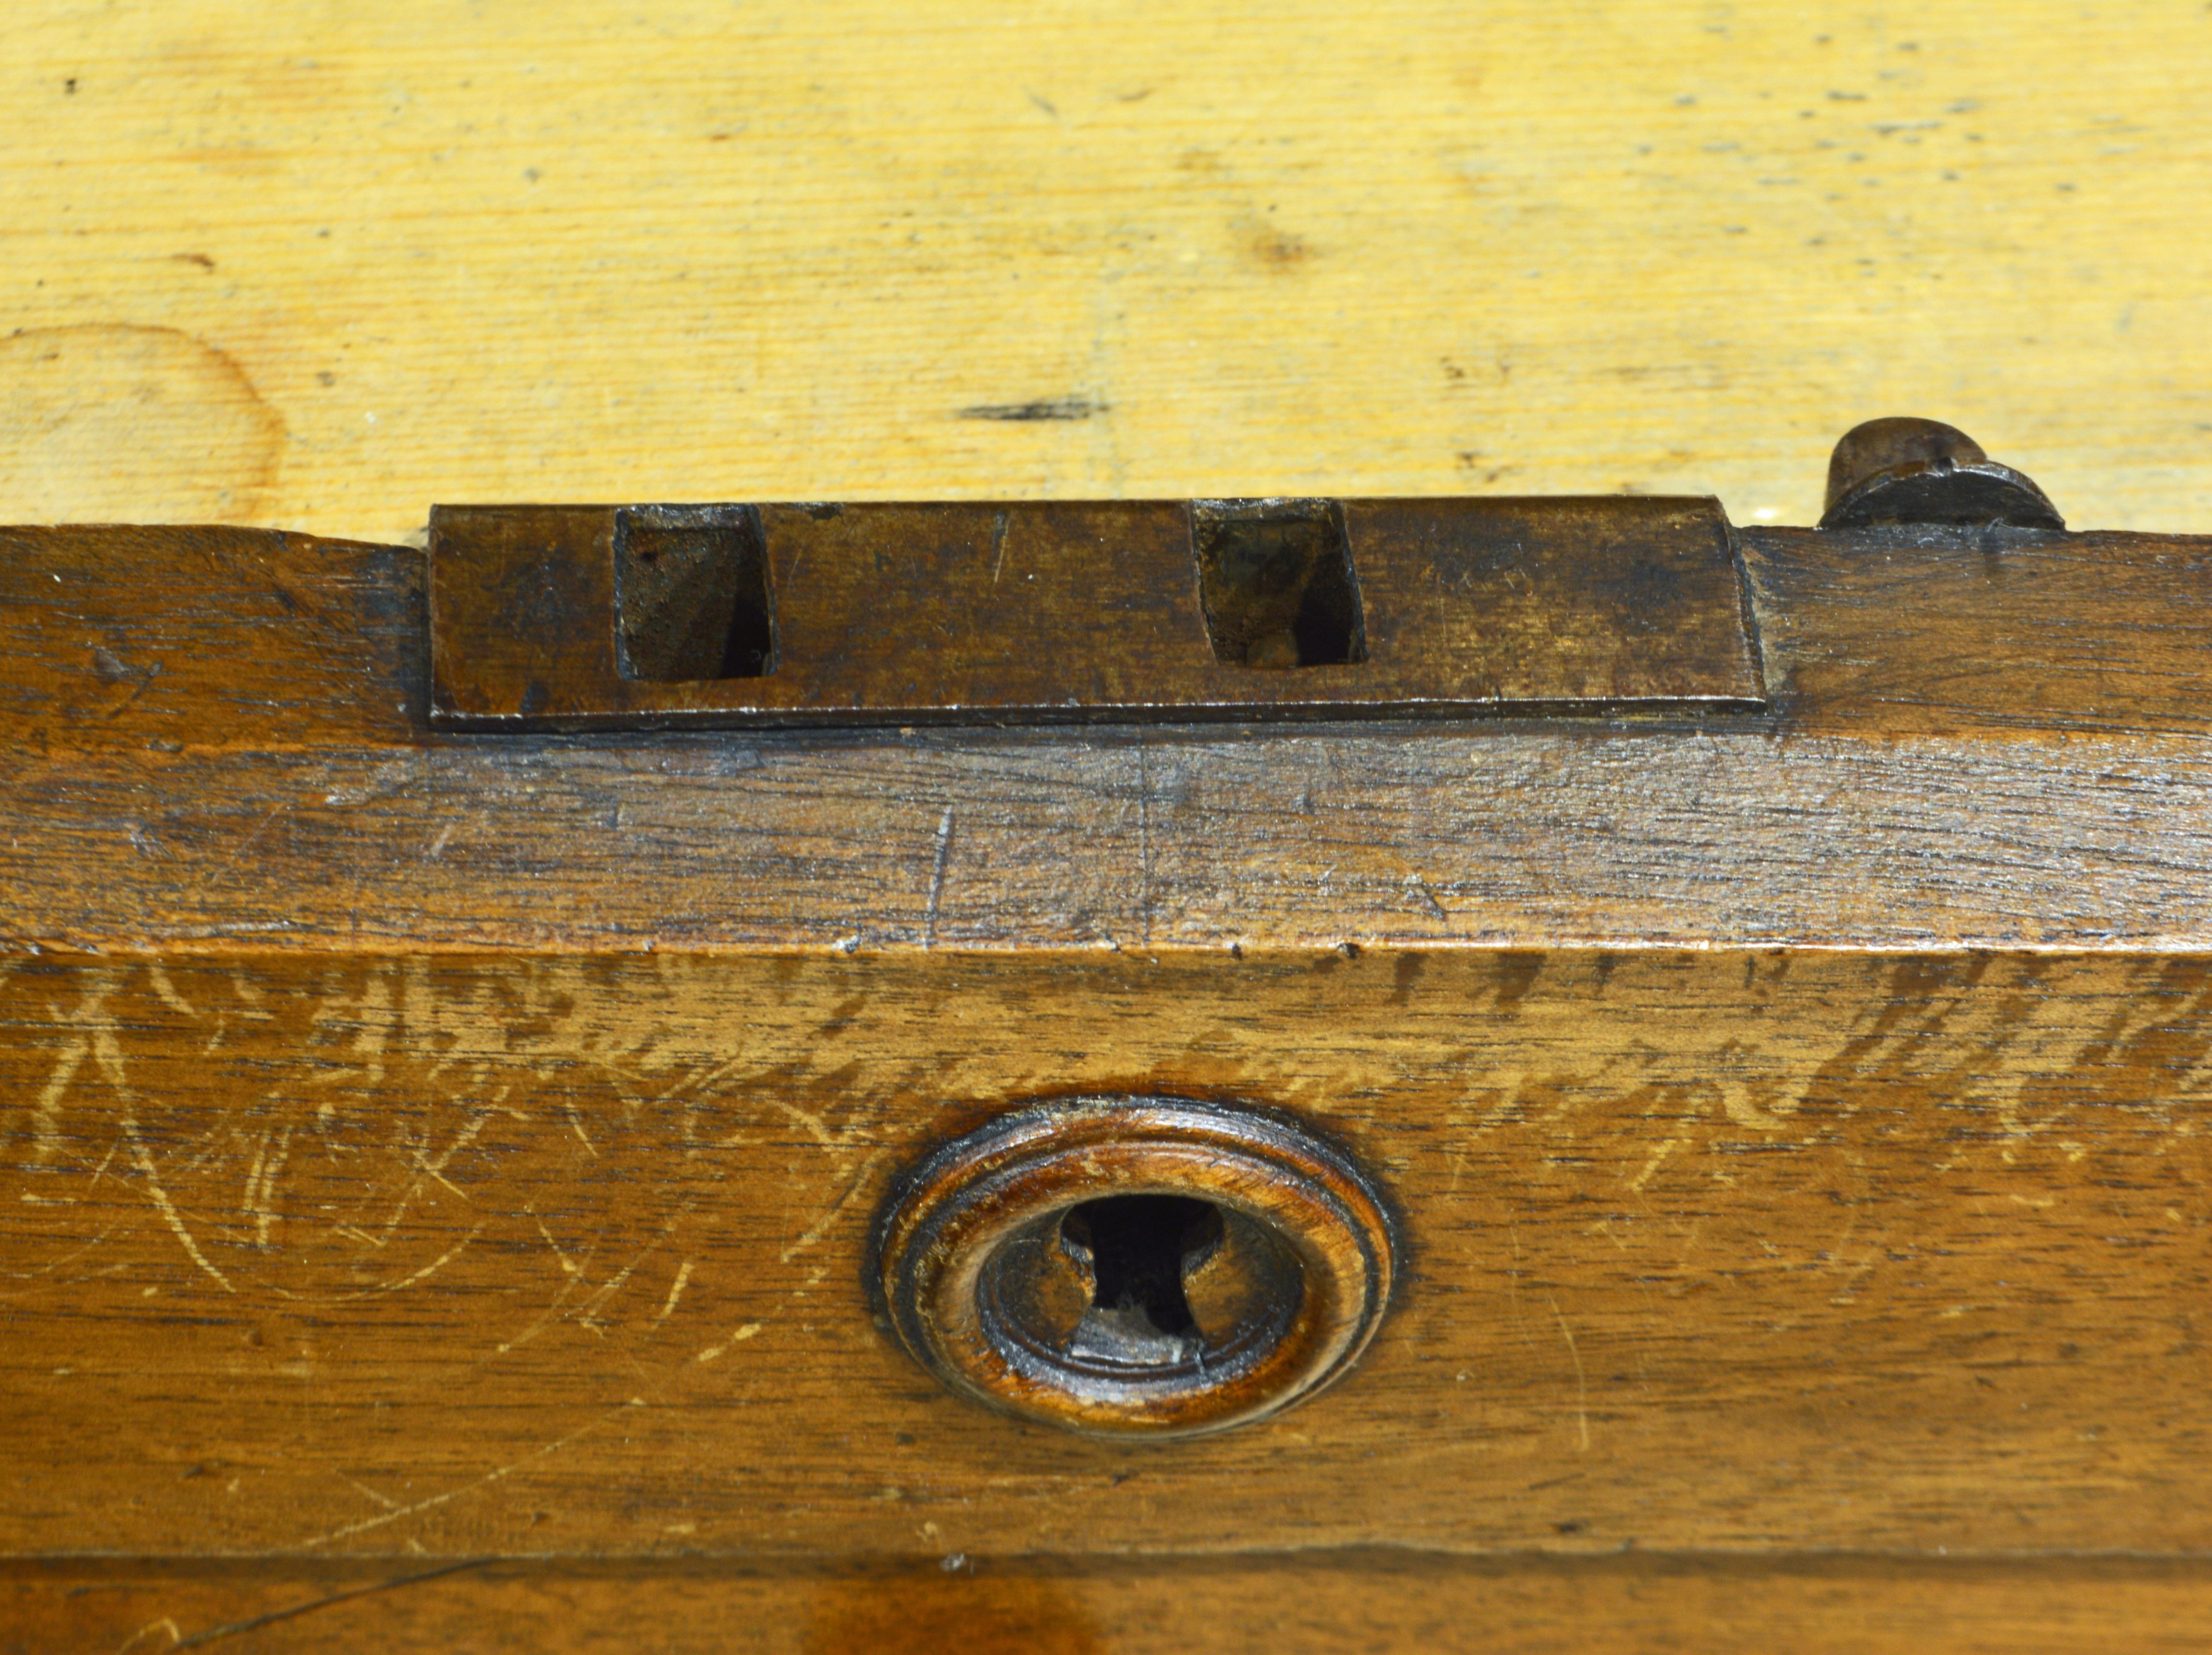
[(1975, 743), (1705, 1250), (1615, 1606)]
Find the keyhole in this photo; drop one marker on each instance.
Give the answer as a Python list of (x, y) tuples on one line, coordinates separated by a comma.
[(1140, 1248)]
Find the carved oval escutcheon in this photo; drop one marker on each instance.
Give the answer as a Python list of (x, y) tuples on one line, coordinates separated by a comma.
[(1136, 1266)]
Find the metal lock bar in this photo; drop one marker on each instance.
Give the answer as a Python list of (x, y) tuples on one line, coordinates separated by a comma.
[(605, 617)]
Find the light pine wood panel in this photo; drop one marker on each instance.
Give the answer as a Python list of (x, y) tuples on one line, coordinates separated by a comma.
[(321, 264)]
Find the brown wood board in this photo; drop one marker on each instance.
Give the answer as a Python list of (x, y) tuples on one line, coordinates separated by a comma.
[(1622, 1605), (220, 743), (1705, 1250), (445, 1144)]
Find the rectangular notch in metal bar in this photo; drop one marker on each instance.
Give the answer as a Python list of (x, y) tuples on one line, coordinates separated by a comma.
[(692, 600), (1052, 612), (1277, 581)]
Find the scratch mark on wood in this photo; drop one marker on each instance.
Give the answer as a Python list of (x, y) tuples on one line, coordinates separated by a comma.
[(233, 1629), (568, 1265), (165, 1624), (385, 1500), (742, 1334), (1666, 1147), (109, 669), (675, 1292), (818, 1129), (436, 1169), (576, 1125), (937, 878), (46, 1113), (553, 1312), (1582, 1381), (999, 545), (588, 1313), (246, 844), (405, 1282), (483, 1481), (144, 1161), (166, 991), (260, 1200), (821, 1225), (107, 1052)]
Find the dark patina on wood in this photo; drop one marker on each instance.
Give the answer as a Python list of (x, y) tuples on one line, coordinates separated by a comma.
[(577, 618), (432, 1143)]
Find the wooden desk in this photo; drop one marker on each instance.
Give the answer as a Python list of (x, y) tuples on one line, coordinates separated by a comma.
[(318, 272)]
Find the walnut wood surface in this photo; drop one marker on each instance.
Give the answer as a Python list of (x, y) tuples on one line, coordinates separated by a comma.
[(365, 1202), (219, 743), (1624, 1605), (1741, 1250)]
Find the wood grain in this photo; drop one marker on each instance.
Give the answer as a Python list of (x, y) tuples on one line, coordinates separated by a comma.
[(1744, 1250), (1626, 1605), (2014, 758), (907, 249), (364, 1202)]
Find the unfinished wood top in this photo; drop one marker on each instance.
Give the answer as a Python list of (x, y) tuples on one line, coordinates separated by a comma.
[(319, 267)]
